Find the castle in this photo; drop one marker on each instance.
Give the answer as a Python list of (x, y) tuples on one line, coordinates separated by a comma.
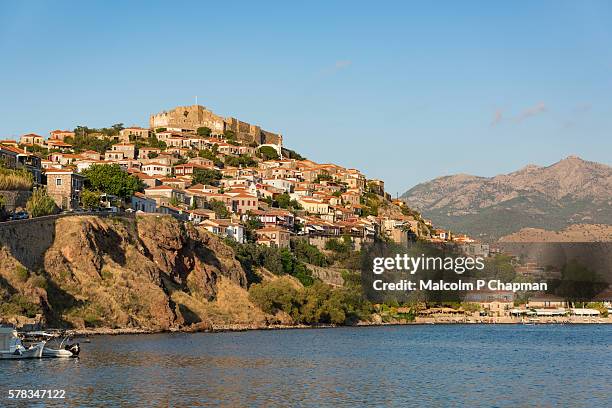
[(195, 116)]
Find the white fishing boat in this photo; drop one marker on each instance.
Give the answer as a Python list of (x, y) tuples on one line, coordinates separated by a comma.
[(54, 348), (11, 346)]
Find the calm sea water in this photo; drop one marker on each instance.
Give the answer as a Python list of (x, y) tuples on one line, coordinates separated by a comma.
[(378, 366)]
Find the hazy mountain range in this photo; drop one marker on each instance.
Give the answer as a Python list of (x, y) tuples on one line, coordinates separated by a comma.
[(571, 191)]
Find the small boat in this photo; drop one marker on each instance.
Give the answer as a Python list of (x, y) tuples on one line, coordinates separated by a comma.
[(61, 353), (60, 350), (11, 346)]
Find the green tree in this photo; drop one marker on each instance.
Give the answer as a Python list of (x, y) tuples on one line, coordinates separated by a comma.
[(174, 201), (291, 154), (206, 176), (156, 143), (308, 253), (83, 141), (219, 208), (243, 160), (276, 295), (268, 153), (117, 127), (251, 225), (204, 131), (41, 204), (343, 247), (90, 199), (210, 155), (285, 201), (111, 179), (229, 135), (578, 282)]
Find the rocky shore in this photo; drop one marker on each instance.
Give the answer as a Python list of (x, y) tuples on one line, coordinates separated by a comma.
[(418, 321)]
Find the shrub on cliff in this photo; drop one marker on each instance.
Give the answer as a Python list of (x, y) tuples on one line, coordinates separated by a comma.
[(41, 204), (308, 253), (18, 305), (316, 304), (276, 295), (276, 260), (15, 179)]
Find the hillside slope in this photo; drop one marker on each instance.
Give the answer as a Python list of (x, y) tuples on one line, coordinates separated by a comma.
[(150, 273), (568, 192)]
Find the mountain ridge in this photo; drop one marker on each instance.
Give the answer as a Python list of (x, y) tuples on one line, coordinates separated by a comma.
[(569, 191)]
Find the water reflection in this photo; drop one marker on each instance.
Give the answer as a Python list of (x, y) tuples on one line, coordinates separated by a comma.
[(441, 365)]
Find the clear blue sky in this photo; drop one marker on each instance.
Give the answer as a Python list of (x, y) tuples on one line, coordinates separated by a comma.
[(404, 91)]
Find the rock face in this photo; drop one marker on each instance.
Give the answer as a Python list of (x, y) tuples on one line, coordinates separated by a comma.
[(149, 273), (568, 192)]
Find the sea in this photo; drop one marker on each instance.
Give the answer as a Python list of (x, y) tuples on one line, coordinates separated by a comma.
[(404, 366)]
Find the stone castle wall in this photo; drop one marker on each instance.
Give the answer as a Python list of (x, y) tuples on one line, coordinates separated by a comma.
[(195, 116)]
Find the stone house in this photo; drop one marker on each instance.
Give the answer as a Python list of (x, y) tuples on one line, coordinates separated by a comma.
[(32, 139), (201, 214), (65, 187), (273, 236), (60, 134), (157, 169), (128, 150), (144, 152), (131, 134)]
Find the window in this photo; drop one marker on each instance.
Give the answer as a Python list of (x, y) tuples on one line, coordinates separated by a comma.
[(58, 181)]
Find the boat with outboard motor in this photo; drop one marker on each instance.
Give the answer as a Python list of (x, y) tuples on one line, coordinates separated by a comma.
[(12, 348), (54, 348)]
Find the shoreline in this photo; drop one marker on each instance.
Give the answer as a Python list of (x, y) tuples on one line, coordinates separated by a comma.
[(247, 327)]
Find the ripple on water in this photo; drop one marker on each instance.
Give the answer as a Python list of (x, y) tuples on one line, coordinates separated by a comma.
[(396, 366)]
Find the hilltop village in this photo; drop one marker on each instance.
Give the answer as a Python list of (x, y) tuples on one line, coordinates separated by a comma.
[(200, 183), (234, 178)]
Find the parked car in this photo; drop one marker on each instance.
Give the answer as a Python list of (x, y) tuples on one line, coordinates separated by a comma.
[(113, 210), (20, 215)]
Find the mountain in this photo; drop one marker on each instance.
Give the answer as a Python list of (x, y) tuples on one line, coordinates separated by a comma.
[(574, 233), (571, 191)]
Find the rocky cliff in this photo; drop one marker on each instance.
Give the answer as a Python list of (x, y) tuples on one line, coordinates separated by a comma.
[(149, 273), (571, 191)]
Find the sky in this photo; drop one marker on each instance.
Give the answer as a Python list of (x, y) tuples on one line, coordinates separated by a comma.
[(404, 91)]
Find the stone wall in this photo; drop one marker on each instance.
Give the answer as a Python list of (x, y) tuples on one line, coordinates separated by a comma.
[(28, 240), (14, 200)]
